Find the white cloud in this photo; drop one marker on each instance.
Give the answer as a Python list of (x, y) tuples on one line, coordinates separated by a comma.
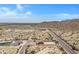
[(28, 13), (5, 11), (19, 7), (66, 16), (19, 13)]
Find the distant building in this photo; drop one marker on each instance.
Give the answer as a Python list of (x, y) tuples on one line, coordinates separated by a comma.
[(42, 29), (16, 42), (39, 42)]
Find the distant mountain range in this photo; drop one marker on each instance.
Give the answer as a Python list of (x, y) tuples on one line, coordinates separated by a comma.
[(72, 24), (61, 25)]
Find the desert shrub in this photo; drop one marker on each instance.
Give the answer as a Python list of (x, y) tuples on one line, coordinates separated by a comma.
[(32, 52)]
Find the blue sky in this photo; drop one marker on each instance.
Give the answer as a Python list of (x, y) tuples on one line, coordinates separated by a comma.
[(37, 12)]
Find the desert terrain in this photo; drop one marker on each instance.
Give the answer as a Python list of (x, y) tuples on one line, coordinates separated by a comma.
[(55, 37)]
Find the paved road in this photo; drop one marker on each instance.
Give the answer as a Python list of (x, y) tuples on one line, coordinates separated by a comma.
[(23, 47), (67, 48)]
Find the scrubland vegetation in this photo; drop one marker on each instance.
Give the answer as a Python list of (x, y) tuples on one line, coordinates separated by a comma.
[(68, 30)]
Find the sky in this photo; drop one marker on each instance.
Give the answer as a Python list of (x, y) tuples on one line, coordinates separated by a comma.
[(35, 13)]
